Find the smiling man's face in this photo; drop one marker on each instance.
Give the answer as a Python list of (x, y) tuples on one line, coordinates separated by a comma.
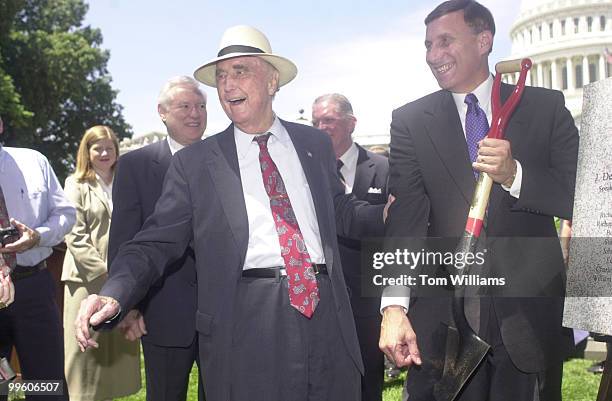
[(456, 55), (246, 87)]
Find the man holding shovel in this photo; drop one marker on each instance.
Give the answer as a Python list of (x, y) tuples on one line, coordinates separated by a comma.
[(437, 151)]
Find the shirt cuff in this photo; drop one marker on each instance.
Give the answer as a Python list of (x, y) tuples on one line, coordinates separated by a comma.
[(395, 296), (515, 189)]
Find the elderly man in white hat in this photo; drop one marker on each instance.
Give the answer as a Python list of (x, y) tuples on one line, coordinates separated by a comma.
[(259, 203)]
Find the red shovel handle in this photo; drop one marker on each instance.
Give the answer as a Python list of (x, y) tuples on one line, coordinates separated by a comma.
[(501, 117)]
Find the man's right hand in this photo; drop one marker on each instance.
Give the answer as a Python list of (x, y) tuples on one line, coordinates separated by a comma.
[(397, 338), (7, 290), (94, 310), (133, 325)]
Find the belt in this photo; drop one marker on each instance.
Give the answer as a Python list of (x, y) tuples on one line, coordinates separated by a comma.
[(21, 272), (272, 272)]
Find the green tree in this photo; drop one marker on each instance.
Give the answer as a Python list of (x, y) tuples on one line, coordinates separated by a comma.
[(54, 82)]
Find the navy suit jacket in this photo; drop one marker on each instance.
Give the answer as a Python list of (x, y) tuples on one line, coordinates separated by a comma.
[(169, 306), (202, 203), (431, 176)]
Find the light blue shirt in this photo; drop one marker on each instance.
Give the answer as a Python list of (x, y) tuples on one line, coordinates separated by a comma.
[(34, 196)]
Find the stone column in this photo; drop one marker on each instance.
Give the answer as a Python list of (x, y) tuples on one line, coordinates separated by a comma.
[(582, 25), (570, 74), (602, 67), (585, 71), (540, 74), (569, 26), (553, 75), (528, 79)]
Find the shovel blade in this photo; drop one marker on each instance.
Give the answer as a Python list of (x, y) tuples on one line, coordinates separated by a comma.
[(463, 355)]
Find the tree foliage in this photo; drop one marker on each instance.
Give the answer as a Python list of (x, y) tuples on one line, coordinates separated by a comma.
[(54, 82)]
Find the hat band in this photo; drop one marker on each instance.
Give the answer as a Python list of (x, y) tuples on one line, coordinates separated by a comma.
[(238, 49)]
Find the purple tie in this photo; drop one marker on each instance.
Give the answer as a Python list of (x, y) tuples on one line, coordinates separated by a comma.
[(476, 126)]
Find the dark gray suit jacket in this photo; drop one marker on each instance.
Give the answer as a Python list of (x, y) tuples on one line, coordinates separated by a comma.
[(169, 306), (202, 203), (372, 173), (431, 176)]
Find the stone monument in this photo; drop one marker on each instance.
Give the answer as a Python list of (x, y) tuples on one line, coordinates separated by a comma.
[(588, 305)]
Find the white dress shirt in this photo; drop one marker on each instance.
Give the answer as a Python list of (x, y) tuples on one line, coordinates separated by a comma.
[(349, 168), (174, 145), (34, 197), (264, 247)]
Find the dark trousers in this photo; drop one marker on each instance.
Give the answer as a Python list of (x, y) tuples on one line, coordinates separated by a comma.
[(280, 355), (167, 371), (496, 378), (32, 324), (368, 331)]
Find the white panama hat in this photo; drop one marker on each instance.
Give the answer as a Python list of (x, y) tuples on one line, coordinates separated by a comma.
[(244, 40)]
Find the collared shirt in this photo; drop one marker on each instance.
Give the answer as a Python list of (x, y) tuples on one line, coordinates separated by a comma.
[(35, 198), (174, 145), (264, 248), (349, 168), (483, 94)]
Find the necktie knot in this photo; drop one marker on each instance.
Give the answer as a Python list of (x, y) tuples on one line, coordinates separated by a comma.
[(339, 164), (262, 140), (471, 100)]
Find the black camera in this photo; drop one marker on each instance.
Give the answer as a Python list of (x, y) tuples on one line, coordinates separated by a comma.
[(8, 235)]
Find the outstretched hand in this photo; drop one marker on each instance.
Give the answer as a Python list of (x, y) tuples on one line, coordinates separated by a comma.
[(397, 338), (94, 310)]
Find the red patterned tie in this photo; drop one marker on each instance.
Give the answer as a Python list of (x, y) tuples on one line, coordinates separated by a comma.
[(6, 259), (301, 279)]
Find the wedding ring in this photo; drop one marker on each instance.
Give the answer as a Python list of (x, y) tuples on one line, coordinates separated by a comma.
[(2, 305)]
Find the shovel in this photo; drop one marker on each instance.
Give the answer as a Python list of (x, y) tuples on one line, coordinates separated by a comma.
[(464, 349)]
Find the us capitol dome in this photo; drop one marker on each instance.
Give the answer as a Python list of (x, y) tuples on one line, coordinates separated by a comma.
[(569, 42)]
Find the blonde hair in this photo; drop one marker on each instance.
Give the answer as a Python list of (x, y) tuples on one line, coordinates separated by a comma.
[(84, 170)]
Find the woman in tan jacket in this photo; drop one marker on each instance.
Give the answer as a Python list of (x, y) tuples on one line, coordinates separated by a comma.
[(113, 370)]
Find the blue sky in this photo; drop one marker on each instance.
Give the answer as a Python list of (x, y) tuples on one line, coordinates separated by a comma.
[(370, 51)]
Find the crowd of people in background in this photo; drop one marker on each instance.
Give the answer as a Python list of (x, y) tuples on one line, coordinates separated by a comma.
[(241, 252)]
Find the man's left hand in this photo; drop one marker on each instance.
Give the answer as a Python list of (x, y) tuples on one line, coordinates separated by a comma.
[(28, 239), (495, 158)]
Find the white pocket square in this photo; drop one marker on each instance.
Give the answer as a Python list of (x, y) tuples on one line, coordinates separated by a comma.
[(373, 190)]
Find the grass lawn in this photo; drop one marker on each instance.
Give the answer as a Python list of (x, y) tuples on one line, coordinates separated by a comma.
[(578, 384)]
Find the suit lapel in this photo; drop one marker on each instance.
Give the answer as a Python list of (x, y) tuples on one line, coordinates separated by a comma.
[(443, 127), (311, 164), (98, 192), (363, 174), (161, 160), (223, 164)]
